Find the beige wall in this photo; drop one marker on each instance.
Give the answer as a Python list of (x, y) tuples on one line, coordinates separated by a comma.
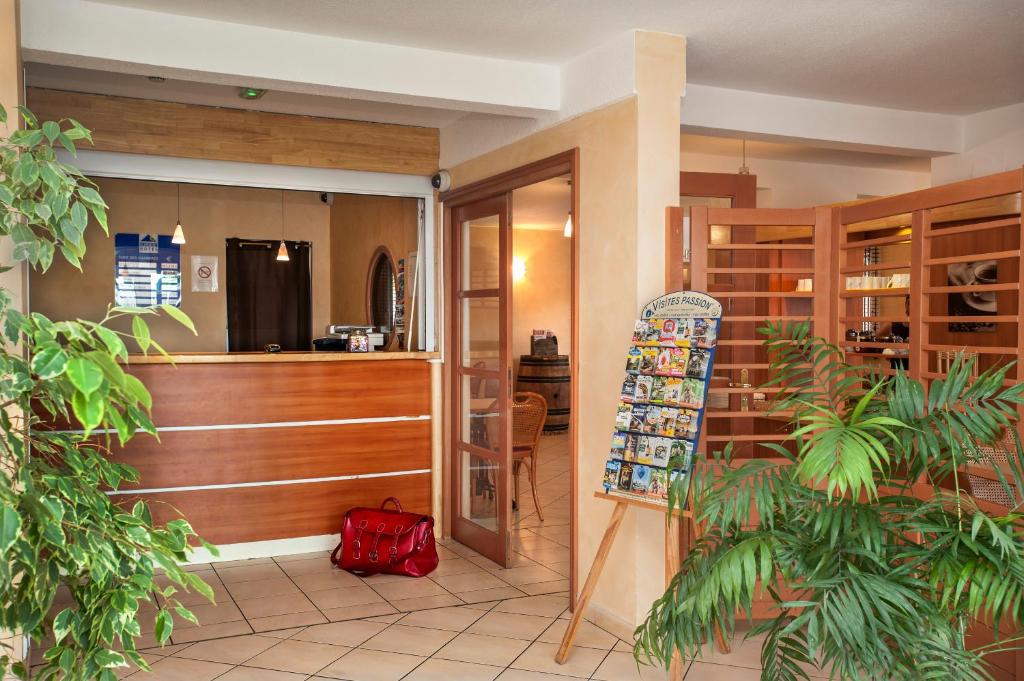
[(209, 215), (359, 226), (629, 164), (543, 298)]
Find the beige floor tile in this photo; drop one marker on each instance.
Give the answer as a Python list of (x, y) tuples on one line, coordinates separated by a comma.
[(708, 671), (523, 675), (249, 573), (210, 631), (623, 647), (620, 666), (426, 602), (482, 649), (511, 625), (243, 562), (321, 581), (410, 640), (548, 606), (278, 622), (445, 553), (180, 669), (387, 619), (449, 619), (470, 581), (321, 555), (344, 597), (253, 674), (588, 635), (262, 588), (483, 605), (307, 567), (518, 560), (483, 595), (382, 578), (462, 550), (418, 588), (351, 634), (540, 657), (282, 633), (196, 567), (530, 574), (546, 555), (190, 598), (210, 614), (354, 612), (563, 568), (541, 588), (235, 650), (450, 670), (300, 657), (453, 566), (276, 605), (371, 665), (164, 651)]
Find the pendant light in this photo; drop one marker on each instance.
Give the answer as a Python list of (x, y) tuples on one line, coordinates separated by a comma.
[(282, 249), (179, 233), (744, 170), (567, 230)]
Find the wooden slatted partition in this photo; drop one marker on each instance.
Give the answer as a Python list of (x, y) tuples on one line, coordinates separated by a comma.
[(938, 236), (752, 259)]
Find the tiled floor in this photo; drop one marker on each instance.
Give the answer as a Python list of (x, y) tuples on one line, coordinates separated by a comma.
[(294, 618)]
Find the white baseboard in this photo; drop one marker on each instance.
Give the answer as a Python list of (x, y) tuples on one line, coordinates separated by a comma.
[(266, 549)]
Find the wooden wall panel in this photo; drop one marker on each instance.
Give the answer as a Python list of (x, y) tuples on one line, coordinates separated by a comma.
[(140, 126), (214, 457), (217, 394), (227, 516)]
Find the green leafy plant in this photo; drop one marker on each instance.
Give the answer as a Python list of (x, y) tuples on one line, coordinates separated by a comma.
[(77, 571), (857, 532)]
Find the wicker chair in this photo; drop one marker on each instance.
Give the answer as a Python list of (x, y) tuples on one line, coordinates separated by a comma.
[(991, 457), (529, 411)]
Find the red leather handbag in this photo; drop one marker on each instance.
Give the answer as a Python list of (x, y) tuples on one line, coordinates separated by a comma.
[(383, 540)]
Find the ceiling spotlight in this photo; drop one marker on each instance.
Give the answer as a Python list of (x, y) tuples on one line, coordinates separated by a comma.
[(251, 92)]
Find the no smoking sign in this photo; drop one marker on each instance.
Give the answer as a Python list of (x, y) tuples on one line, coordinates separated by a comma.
[(204, 273)]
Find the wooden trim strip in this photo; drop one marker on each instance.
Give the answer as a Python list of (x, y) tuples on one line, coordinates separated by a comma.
[(276, 424), (761, 294), (762, 217), (980, 349), (880, 241), (973, 288), (970, 257), (994, 319), (874, 292), (761, 270), (543, 169), (967, 229), (267, 483), (856, 269), (757, 247)]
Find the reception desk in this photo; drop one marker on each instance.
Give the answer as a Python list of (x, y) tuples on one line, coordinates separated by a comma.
[(275, 446)]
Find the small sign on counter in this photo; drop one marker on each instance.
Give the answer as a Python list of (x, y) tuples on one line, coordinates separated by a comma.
[(147, 270)]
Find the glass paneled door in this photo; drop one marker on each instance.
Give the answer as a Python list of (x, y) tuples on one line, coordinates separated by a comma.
[(482, 377)]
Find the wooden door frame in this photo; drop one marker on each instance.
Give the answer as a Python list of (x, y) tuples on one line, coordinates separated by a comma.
[(567, 162), (498, 204)]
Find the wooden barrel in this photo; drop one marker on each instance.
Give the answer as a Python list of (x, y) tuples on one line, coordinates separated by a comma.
[(548, 376)]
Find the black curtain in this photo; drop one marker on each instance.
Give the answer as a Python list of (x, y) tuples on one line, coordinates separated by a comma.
[(269, 301)]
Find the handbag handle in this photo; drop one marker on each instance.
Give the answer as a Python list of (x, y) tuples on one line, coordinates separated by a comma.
[(394, 501)]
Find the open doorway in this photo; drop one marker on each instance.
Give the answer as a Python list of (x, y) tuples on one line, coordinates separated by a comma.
[(511, 254), (541, 335)]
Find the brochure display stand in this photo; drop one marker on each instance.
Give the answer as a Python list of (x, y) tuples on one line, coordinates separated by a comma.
[(668, 368)]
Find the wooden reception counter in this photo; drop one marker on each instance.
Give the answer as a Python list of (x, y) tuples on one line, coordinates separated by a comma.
[(274, 446)]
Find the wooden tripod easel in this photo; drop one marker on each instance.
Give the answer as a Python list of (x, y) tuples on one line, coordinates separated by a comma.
[(671, 568)]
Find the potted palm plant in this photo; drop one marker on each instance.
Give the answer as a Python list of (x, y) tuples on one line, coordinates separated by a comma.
[(875, 561), (76, 570)]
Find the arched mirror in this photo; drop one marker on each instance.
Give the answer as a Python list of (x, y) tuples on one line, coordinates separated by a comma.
[(382, 293)]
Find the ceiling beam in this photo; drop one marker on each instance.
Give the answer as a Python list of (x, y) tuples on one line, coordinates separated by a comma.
[(130, 40), (708, 110)]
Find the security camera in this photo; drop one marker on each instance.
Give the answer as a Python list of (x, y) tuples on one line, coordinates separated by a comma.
[(441, 181), (327, 197)]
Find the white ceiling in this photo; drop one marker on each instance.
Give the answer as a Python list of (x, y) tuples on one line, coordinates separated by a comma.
[(191, 92), (944, 56)]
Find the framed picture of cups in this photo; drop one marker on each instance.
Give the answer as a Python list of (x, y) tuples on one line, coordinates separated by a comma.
[(972, 303)]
